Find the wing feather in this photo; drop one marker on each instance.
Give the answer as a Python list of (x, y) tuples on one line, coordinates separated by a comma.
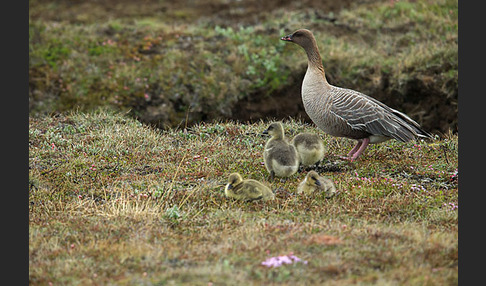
[(364, 113)]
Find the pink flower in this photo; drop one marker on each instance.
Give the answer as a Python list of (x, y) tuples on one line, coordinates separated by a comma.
[(280, 260), (450, 206), (285, 259)]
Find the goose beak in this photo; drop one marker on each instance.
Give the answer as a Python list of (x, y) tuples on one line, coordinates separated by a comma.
[(287, 38)]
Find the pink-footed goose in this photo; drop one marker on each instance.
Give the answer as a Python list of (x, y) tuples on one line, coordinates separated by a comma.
[(310, 148), (348, 113), (314, 182), (280, 157), (247, 190)]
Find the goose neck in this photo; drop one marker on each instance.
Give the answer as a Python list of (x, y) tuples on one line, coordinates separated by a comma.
[(314, 59), (278, 136)]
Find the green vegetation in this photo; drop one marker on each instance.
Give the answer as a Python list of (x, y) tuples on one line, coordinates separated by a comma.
[(168, 63), (114, 201)]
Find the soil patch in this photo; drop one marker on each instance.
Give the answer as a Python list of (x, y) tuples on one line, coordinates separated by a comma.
[(435, 111)]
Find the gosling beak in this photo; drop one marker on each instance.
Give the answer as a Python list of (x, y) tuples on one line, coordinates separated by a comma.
[(318, 183), (230, 186), (287, 38), (265, 131)]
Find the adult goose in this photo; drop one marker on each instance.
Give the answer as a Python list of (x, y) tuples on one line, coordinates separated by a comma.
[(348, 113)]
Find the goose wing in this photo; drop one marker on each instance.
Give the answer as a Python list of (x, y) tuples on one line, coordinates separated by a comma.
[(251, 190), (361, 112)]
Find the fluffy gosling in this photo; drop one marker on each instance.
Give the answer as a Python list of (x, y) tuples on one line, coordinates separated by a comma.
[(313, 182), (280, 157), (247, 190), (310, 148)]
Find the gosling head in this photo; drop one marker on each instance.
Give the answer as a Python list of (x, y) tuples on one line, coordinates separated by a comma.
[(301, 37), (275, 130), (234, 180), (312, 179)]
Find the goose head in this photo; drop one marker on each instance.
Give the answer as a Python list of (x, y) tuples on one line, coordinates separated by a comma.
[(312, 179), (233, 180), (275, 130), (301, 37)]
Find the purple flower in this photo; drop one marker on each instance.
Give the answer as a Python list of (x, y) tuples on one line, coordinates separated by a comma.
[(283, 259), (295, 258), (450, 206)]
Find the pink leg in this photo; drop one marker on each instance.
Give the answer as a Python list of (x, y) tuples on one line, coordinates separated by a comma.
[(351, 153), (363, 146), (355, 148)]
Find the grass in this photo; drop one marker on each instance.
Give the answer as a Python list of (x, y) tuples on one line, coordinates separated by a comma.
[(169, 63), (116, 202)]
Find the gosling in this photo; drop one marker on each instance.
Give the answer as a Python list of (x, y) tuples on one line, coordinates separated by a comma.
[(313, 182), (310, 148), (247, 190), (280, 157)]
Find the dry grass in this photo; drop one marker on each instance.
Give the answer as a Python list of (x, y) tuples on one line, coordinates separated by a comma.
[(113, 201)]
